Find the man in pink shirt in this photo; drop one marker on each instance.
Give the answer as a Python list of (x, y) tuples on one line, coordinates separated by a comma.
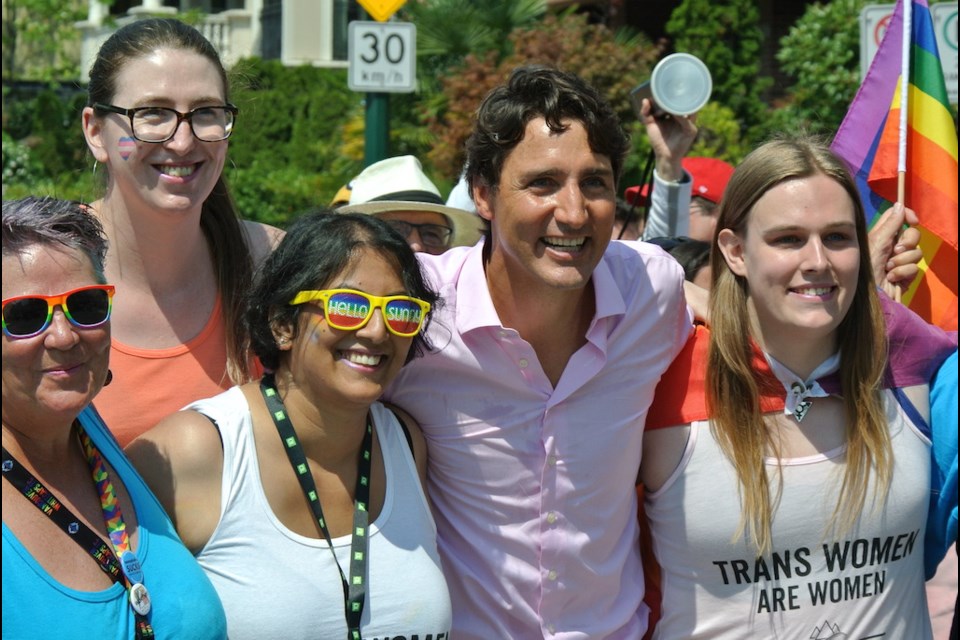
[(547, 352)]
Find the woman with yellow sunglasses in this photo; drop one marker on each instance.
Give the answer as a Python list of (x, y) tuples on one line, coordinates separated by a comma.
[(300, 494)]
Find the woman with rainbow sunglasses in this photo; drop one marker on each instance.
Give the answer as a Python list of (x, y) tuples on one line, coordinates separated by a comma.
[(87, 550), (300, 494)]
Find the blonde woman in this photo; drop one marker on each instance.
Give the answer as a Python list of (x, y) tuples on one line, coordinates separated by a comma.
[(802, 517)]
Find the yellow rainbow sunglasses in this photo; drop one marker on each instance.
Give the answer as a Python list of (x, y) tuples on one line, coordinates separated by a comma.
[(350, 310)]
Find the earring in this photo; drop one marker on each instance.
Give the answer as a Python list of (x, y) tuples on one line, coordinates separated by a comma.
[(109, 378)]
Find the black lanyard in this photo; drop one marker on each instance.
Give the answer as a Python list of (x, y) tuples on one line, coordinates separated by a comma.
[(354, 591), (42, 498)]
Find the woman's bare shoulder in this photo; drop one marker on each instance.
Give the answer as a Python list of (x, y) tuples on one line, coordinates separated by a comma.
[(186, 441), (262, 239), (182, 458)]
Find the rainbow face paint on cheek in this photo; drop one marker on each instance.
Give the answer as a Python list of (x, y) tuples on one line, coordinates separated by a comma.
[(126, 146)]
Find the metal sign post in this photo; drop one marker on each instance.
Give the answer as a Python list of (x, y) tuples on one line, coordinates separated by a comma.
[(383, 60)]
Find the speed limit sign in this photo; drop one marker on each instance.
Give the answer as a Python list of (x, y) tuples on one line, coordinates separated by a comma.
[(382, 56)]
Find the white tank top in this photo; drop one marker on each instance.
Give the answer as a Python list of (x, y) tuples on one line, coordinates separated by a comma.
[(865, 584), (275, 583)]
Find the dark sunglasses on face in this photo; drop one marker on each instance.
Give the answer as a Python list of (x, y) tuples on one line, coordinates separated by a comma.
[(85, 308), (351, 310)]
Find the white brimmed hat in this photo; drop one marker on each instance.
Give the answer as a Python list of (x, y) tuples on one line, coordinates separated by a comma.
[(399, 184)]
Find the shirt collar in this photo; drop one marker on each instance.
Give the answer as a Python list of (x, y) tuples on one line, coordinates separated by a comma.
[(475, 308)]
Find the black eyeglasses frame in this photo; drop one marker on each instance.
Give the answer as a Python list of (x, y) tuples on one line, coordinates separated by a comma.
[(188, 116)]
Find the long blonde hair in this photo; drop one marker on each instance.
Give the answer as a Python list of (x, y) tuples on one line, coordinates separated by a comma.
[(733, 391)]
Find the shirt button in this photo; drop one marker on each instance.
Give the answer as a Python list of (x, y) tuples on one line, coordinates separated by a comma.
[(551, 517), (551, 629), (552, 461), (552, 575), (523, 363)]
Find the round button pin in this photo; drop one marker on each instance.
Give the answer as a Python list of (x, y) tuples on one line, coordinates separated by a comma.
[(131, 567), (140, 599)]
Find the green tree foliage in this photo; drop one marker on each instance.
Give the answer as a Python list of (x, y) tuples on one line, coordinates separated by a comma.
[(822, 54), (565, 41), (47, 148), (613, 62), (450, 30), (61, 147), (719, 135), (43, 146), (288, 115), (40, 40), (19, 165), (727, 37), (285, 156)]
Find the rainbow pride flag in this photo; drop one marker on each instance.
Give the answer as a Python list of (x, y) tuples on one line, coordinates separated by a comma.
[(869, 139)]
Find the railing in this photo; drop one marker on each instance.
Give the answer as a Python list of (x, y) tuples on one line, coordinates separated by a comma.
[(216, 29), (234, 33), (254, 30)]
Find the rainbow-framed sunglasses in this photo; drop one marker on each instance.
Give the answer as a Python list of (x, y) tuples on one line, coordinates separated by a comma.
[(85, 308), (350, 310)]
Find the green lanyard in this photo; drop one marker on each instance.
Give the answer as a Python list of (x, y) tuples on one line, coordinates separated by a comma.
[(354, 590)]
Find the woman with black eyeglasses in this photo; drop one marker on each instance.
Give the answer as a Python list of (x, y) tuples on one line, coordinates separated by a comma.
[(87, 550), (301, 495), (158, 120)]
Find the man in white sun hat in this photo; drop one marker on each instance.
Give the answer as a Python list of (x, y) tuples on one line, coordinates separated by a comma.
[(397, 191)]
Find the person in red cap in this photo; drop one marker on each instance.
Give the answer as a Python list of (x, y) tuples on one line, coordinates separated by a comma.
[(707, 178)]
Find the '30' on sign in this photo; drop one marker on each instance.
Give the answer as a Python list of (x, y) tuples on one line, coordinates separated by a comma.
[(382, 57)]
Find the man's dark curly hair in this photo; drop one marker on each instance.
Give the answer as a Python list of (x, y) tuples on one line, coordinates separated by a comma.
[(539, 92)]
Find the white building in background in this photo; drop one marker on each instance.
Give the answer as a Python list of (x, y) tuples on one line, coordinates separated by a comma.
[(294, 31)]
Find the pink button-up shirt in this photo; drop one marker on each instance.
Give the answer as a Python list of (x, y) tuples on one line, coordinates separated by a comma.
[(533, 486)]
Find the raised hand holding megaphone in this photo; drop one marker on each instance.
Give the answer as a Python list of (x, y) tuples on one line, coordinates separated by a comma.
[(680, 85)]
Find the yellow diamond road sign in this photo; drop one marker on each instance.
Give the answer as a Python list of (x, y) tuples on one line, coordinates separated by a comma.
[(381, 10)]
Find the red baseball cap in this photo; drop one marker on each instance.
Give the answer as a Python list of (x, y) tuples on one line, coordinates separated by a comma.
[(710, 177)]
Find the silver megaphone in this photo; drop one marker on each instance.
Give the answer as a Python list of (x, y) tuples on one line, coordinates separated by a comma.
[(680, 85)]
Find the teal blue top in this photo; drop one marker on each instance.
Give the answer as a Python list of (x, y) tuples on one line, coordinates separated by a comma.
[(184, 603), (942, 517)]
